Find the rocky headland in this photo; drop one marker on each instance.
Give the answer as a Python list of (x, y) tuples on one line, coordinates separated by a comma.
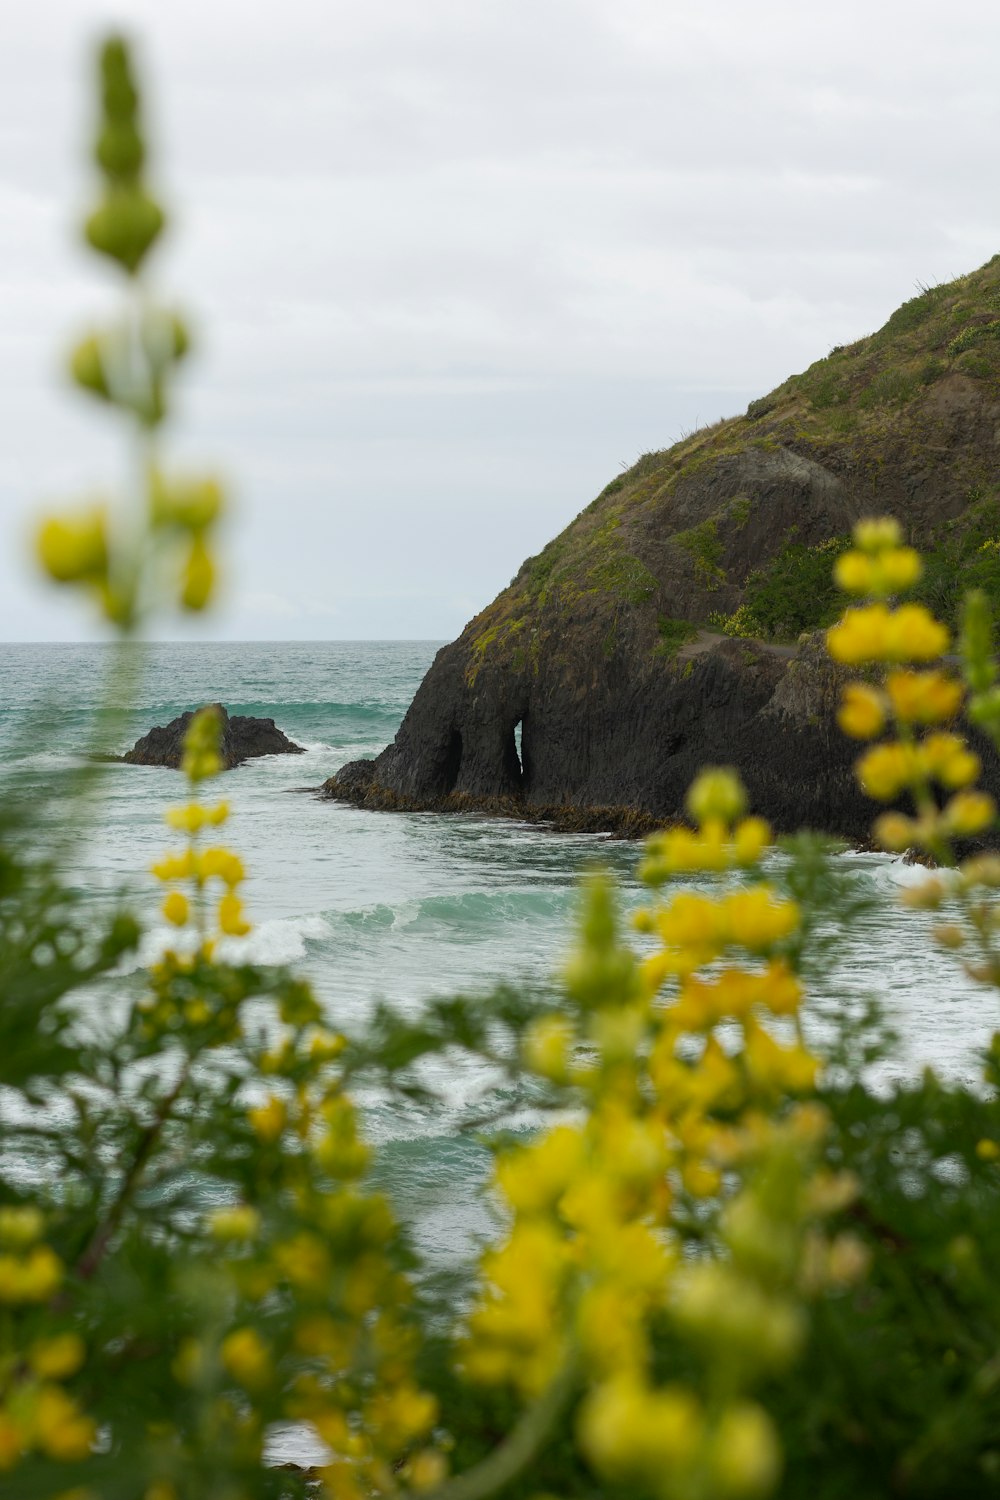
[(678, 620), (243, 738)]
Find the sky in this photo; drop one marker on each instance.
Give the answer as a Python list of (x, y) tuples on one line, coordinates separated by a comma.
[(453, 264)]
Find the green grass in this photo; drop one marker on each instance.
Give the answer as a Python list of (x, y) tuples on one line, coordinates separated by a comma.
[(673, 635), (702, 545), (624, 577), (792, 593)]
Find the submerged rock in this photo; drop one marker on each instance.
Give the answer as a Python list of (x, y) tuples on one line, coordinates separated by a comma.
[(243, 738)]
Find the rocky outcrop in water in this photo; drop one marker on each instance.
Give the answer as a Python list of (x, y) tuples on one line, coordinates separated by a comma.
[(602, 748), (243, 738), (605, 651)]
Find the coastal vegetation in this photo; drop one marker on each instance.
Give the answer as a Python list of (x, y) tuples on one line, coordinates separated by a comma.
[(726, 1265)]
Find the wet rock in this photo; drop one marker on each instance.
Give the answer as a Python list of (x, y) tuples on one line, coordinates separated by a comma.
[(243, 738)]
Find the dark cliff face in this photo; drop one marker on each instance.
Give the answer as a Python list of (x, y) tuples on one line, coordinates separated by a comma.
[(243, 738), (600, 736), (605, 649)]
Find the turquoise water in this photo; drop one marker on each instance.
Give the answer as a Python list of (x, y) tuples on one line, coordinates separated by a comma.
[(398, 906)]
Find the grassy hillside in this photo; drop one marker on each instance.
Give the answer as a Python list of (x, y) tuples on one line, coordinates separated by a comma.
[(736, 525)]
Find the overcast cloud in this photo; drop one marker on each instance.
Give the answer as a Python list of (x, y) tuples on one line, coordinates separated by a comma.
[(454, 262)]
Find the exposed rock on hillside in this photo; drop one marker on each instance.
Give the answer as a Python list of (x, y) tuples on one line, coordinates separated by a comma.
[(243, 738), (606, 647)]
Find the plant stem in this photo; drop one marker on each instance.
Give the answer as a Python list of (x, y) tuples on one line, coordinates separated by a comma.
[(511, 1457), (104, 1233)]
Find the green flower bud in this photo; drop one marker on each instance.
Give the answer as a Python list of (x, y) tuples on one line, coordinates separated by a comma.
[(984, 708), (117, 602), (745, 1455), (165, 338), (119, 151), (190, 504), (125, 226), (87, 368), (716, 793), (198, 578), (598, 924), (595, 980), (202, 744), (976, 641), (119, 94)]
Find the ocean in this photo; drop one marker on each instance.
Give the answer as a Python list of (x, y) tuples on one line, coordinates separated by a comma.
[(398, 906)]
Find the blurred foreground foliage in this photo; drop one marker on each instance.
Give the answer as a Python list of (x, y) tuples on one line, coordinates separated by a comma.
[(725, 1263)]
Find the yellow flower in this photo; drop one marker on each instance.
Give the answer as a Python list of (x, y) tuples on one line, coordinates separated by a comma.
[(427, 1469), (777, 1068), (231, 919), (969, 813), (678, 849), (241, 1222), (981, 869), (692, 922), (627, 1429), (247, 1358), (853, 572), (71, 548), (187, 819), (399, 1415), (547, 1044), (895, 832), (757, 919), (886, 770), (745, 1456), (269, 1120), (57, 1357), (12, 1441), (949, 760), (988, 1150), (533, 1178), (859, 636), (862, 711), (31, 1279), (927, 896), (750, 839), (915, 635), (223, 865), (897, 570), (20, 1226), (780, 990), (324, 1046), (923, 697), (175, 867), (734, 1314), (175, 908), (61, 1430), (877, 633)]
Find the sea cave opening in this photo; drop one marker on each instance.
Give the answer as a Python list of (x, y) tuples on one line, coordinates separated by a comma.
[(452, 762), (517, 765)]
